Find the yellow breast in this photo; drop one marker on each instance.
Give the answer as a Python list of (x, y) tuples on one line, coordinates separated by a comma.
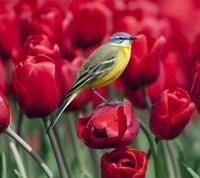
[(121, 61)]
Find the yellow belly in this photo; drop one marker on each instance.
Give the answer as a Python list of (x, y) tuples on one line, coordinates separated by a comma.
[(122, 60)]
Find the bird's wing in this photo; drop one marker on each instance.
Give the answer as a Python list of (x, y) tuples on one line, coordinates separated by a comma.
[(91, 72)]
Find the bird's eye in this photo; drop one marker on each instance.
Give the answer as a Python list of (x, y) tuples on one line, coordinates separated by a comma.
[(121, 38)]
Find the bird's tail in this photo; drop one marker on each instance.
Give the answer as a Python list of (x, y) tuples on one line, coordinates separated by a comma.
[(66, 102)]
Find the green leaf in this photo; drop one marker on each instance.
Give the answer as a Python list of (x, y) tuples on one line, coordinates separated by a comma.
[(190, 171), (4, 166), (18, 174)]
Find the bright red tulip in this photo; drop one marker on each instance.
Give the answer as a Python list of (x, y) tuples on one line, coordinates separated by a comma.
[(171, 113), (124, 162), (5, 113), (36, 84), (109, 127), (143, 68)]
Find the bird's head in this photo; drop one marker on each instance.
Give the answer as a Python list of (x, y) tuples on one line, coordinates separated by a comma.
[(121, 38)]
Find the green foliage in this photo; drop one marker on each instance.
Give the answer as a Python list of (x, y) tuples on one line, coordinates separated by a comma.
[(3, 166), (190, 171), (17, 174)]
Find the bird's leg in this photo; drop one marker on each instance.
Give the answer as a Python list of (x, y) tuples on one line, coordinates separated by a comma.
[(108, 102)]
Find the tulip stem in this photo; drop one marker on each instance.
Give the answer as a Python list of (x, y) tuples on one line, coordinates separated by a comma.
[(172, 159), (55, 149), (146, 99), (153, 146), (17, 157), (62, 152), (157, 139), (35, 156)]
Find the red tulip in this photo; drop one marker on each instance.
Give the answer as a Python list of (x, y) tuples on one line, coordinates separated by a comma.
[(34, 45), (175, 73), (92, 22), (171, 113), (109, 127), (3, 77), (195, 89), (48, 20), (143, 68), (5, 113), (9, 30), (24, 10), (153, 90), (124, 162), (67, 76), (36, 85)]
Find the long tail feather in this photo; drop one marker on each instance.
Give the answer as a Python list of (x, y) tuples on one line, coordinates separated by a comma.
[(66, 102)]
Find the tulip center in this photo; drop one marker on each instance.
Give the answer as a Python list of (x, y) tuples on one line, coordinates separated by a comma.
[(100, 133)]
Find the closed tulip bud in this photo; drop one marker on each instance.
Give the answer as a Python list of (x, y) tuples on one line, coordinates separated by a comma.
[(34, 45), (5, 113), (92, 22), (171, 113), (109, 127), (143, 68), (36, 85), (48, 20), (124, 162)]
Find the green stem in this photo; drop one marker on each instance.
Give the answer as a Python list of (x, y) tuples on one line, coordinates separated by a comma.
[(71, 122), (35, 156), (157, 139), (17, 157), (153, 146), (173, 160), (56, 150), (62, 152), (146, 99)]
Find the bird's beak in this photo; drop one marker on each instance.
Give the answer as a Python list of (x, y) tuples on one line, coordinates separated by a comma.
[(132, 38)]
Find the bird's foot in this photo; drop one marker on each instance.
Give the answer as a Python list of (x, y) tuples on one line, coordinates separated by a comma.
[(111, 103)]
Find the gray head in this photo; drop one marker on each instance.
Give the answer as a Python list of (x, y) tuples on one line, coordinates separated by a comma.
[(121, 38)]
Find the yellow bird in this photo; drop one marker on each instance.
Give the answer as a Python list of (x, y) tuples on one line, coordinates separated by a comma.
[(101, 68)]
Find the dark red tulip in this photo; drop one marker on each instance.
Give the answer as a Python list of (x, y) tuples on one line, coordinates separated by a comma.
[(36, 84), (143, 68), (3, 77), (92, 22), (195, 89), (67, 76), (5, 113), (109, 127), (171, 113), (124, 162)]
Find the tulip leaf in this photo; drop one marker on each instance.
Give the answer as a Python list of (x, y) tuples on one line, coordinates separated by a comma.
[(4, 166), (18, 174), (190, 171), (85, 174)]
